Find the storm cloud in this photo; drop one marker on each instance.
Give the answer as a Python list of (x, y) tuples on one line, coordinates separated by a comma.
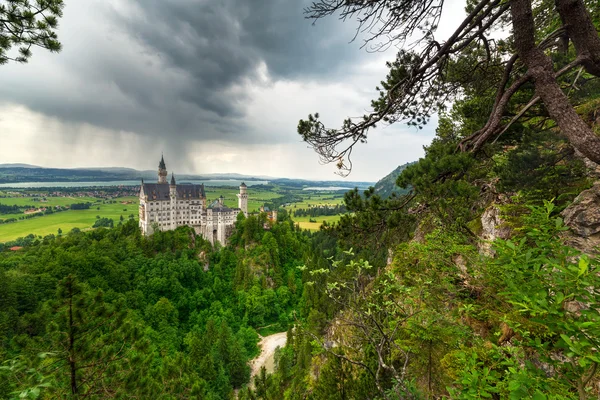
[(184, 75), (180, 67)]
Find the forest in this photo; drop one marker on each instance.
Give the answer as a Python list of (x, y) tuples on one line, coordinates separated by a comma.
[(110, 313), (319, 211)]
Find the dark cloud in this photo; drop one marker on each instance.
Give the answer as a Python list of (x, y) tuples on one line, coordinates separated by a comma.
[(177, 68), (177, 72), (221, 43), (223, 40)]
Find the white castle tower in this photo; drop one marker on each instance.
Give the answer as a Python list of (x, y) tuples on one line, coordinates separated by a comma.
[(162, 171), (243, 199)]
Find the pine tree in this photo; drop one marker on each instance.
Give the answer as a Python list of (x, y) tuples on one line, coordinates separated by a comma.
[(94, 342), (25, 25)]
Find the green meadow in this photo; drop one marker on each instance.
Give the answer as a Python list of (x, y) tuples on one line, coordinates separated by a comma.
[(65, 220), (50, 201), (311, 199), (256, 197)]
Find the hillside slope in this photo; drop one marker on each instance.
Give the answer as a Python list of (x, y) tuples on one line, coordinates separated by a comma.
[(387, 185)]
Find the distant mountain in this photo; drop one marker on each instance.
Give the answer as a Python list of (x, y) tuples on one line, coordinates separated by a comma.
[(303, 183), (10, 174), (387, 185), (110, 169), (17, 173), (18, 165), (152, 173)]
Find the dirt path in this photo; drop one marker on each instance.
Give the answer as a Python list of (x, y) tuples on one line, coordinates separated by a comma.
[(268, 344)]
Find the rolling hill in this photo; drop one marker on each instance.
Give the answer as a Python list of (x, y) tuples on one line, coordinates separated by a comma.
[(387, 185)]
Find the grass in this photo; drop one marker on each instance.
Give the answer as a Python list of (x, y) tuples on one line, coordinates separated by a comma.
[(67, 220), (320, 199), (50, 201), (304, 223), (256, 198)]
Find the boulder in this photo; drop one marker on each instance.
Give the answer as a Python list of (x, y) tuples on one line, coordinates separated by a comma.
[(492, 228), (583, 219), (583, 215)]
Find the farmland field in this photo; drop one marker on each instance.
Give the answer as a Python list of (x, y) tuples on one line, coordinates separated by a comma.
[(316, 200), (256, 197), (65, 220), (304, 222)]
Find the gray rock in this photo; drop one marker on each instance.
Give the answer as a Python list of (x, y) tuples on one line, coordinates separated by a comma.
[(583, 215), (492, 228), (583, 219)]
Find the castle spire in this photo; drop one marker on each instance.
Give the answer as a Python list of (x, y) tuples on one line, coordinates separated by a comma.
[(173, 179), (162, 170)]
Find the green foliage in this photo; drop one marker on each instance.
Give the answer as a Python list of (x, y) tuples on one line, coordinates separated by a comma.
[(435, 313), (21, 381), (543, 166), (545, 292), (142, 316), (103, 222), (374, 224), (446, 181), (25, 24), (95, 343), (387, 185)]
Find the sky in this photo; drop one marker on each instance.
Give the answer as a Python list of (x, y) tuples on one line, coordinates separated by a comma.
[(217, 86)]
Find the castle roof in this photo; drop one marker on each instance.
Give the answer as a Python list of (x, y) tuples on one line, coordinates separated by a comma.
[(216, 206), (162, 191), (173, 179), (222, 209), (162, 165), (243, 185)]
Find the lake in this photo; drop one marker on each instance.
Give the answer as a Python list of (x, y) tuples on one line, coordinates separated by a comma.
[(27, 185)]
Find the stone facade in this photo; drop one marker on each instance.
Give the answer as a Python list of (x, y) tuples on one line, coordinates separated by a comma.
[(166, 206)]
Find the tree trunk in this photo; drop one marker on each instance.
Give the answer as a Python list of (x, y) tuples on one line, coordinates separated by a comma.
[(582, 33), (541, 69), (72, 365)]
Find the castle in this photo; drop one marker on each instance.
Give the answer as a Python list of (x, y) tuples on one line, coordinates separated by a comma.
[(165, 206)]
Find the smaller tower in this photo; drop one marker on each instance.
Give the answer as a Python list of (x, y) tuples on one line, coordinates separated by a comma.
[(243, 199), (173, 196), (162, 171), (221, 201), (173, 185)]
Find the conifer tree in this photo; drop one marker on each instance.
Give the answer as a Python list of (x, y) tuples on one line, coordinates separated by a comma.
[(94, 343), (25, 24), (434, 70)]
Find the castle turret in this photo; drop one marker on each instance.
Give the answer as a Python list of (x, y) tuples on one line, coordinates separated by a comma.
[(243, 199), (162, 171), (173, 187), (173, 196)]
